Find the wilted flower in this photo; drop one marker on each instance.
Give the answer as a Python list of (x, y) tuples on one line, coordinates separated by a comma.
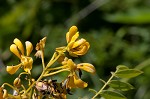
[(76, 47), (26, 61), (40, 47)]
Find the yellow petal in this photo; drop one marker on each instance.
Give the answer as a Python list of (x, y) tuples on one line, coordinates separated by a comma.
[(19, 45), (78, 43), (71, 32), (74, 37), (70, 44), (73, 54), (87, 67), (27, 70), (71, 65), (79, 83), (70, 83), (30, 62), (28, 67), (81, 50), (29, 47), (27, 63), (13, 49), (87, 44), (12, 69)]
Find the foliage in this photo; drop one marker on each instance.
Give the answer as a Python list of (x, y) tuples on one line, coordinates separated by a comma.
[(50, 88)]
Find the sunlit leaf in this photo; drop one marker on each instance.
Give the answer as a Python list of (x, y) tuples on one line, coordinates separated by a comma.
[(124, 86), (112, 95), (129, 73)]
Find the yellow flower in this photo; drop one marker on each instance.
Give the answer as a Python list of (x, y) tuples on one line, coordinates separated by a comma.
[(40, 47), (76, 47), (26, 61), (73, 80)]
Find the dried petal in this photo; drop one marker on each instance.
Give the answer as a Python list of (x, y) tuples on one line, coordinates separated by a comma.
[(29, 47), (38, 54)]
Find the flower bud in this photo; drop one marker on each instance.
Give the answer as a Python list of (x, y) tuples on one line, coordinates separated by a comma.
[(5, 93), (17, 82), (72, 33)]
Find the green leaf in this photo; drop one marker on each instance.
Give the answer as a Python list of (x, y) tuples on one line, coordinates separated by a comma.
[(121, 67), (128, 73), (112, 95), (123, 86), (102, 81)]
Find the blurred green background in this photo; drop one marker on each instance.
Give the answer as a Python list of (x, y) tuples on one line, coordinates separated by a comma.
[(118, 31)]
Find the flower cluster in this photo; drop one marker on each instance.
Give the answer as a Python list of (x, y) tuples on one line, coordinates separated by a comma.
[(48, 88), (76, 47), (26, 61)]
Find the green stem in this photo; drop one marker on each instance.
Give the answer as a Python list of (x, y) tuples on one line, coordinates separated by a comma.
[(56, 68), (113, 74), (53, 59), (53, 73), (10, 87), (43, 63), (23, 73), (44, 70), (41, 76)]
